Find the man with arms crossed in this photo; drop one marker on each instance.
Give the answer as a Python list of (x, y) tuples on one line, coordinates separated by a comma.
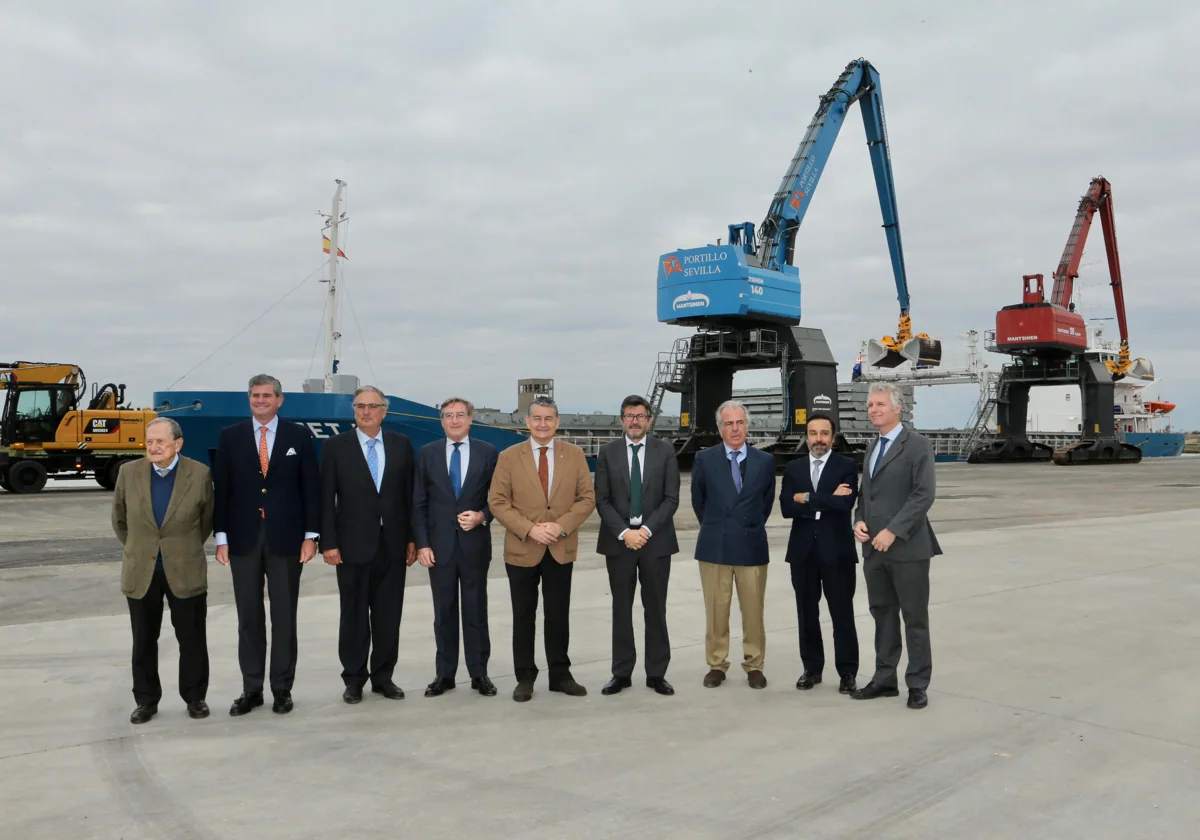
[(818, 496), (366, 488), (454, 541), (637, 494), (267, 516), (892, 524), (162, 512), (733, 491), (541, 493)]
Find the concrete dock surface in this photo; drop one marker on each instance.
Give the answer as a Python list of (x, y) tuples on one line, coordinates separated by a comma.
[(1065, 699)]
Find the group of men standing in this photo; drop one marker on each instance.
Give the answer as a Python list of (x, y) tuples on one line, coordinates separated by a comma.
[(372, 507)]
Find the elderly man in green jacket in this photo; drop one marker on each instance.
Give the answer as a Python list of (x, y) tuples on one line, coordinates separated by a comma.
[(162, 513)]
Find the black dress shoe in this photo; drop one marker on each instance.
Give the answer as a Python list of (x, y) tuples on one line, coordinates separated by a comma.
[(197, 709), (352, 694), (569, 687), (484, 686), (872, 690), (439, 687), (807, 680), (847, 686), (917, 699), (660, 685), (523, 693), (283, 702), (143, 713), (615, 685), (245, 703), (389, 690)]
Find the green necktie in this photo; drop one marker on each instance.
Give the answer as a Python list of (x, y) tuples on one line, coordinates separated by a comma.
[(635, 484)]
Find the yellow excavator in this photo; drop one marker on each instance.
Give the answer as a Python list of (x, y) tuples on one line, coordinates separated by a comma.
[(47, 430)]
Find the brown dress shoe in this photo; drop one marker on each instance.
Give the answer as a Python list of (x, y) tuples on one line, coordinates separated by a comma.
[(756, 679), (714, 678)]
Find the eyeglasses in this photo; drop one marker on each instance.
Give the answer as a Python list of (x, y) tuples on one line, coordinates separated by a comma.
[(458, 415), (635, 416), (365, 406)]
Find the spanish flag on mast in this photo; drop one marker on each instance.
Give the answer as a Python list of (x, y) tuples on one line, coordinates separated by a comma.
[(326, 244)]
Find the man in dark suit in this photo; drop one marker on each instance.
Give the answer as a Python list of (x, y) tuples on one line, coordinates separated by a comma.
[(267, 516), (637, 494), (451, 528), (818, 495), (733, 491), (162, 512), (892, 523), (366, 487)]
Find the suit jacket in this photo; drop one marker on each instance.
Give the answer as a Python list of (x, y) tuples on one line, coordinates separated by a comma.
[(518, 503), (435, 510), (290, 494), (353, 507), (899, 497), (660, 496), (829, 539), (733, 526), (187, 524)]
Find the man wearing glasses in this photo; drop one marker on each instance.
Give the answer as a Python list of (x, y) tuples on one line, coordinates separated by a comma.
[(366, 488), (637, 493), (451, 525)]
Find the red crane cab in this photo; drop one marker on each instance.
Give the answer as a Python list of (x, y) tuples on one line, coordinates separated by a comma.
[(1036, 324)]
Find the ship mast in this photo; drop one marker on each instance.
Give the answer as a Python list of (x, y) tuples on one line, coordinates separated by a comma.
[(332, 336)]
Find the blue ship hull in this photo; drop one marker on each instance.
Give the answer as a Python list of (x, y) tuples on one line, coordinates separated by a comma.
[(1157, 444), (203, 414)]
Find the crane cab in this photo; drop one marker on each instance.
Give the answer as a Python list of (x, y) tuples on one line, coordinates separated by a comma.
[(716, 283), (1035, 324)]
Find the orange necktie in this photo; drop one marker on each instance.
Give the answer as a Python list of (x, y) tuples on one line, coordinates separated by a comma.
[(263, 459), (544, 470)]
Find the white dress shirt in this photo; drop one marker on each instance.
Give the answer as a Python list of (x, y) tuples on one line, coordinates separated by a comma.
[(464, 455), (379, 455), (272, 425), (162, 470), (636, 521), (549, 461)]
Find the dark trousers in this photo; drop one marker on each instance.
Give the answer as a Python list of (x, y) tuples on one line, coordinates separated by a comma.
[(446, 577), (624, 571), (282, 576), (898, 588), (838, 580), (188, 616), (372, 600), (555, 579)]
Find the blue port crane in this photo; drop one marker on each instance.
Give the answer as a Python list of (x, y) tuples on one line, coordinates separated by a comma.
[(744, 295), (754, 277)]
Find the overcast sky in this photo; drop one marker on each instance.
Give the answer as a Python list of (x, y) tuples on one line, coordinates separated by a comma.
[(516, 168)]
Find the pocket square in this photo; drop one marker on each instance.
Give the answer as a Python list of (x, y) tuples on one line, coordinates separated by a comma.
[(290, 452)]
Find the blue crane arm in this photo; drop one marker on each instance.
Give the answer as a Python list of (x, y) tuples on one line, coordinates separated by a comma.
[(777, 234)]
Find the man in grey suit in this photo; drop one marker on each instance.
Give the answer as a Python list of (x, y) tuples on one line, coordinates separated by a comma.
[(892, 524), (637, 493)]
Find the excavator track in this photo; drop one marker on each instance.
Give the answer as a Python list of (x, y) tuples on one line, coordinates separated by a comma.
[(1104, 451)]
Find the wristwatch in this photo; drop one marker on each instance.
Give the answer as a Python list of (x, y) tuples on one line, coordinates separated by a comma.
[(563, 535)]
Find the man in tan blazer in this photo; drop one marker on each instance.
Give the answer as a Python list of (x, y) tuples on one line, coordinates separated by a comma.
[(541, 492), (162, 513)]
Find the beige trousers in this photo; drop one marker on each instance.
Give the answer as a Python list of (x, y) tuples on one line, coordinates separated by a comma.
[(717, 581)]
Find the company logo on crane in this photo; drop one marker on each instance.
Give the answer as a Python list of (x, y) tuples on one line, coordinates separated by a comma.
[(671, 265), (797, 197), (822, 402), (690, 300)]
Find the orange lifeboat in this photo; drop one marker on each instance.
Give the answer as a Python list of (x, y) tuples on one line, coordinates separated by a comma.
[(1159, 406)]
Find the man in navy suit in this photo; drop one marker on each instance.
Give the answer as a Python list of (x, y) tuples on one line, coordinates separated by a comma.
[(454, 541), (733, 491), (818, 495), (366, 487), (267, 518)]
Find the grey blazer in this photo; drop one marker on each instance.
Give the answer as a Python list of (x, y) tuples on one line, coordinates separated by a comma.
[(660, 497), (898, 497)]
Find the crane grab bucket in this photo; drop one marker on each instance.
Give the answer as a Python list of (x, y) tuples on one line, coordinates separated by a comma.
[(1141, 369), (922, 350)]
